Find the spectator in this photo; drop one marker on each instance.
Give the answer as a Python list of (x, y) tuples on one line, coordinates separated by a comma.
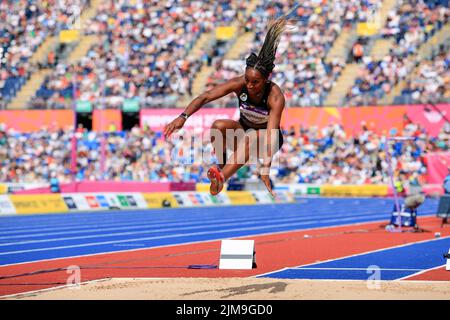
[(54, 184), (357, 52), (446, 183), (24, 25)]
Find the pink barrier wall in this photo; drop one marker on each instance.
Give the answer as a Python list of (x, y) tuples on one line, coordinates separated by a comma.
[(182, 186), (35, 120), (156, 119), (103, 119), (33, 191), (433, 189), (380, 119), (438, 164), (109, 186)]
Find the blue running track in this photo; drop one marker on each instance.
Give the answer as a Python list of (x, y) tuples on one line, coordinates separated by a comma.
[(392, 264), (42, 237)]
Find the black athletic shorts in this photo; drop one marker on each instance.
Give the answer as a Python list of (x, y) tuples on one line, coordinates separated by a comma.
[(280, 135)]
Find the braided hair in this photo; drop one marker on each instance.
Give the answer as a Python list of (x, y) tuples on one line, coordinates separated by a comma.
[(264, 61)]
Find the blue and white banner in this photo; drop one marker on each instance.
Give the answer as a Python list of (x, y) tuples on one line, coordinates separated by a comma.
[(6, 206)]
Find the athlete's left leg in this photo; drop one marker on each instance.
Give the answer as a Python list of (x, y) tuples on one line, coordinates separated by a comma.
[(221, 142), (255, 148), (237, 159), (245, 150)]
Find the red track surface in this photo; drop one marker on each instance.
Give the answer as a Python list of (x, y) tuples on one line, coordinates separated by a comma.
[(439, 274), (273, 252)]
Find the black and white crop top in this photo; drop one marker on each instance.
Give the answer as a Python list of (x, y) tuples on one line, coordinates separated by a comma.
[(254, 115)]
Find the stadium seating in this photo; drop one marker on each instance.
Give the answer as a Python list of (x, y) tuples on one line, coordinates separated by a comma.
[(144, 51), (411, 24), (24, 25)]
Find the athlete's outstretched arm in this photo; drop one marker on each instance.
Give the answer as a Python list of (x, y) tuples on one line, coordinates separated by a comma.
[(276, 103), (219, 91)]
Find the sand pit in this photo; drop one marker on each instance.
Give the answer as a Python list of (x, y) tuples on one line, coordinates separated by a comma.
[(243, 289)]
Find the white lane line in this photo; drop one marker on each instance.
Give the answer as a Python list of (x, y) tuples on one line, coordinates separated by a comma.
[(247, 236), (80, 226), (352, 255), (115, 216), (147, 227), (130, 222), (174, 236), (150, 222), (149, 216), (420, 272), (104, 215), (34, 292), (354, 269)]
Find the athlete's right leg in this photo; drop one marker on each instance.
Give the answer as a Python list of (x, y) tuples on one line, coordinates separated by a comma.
[(219, 138), (221, 143)]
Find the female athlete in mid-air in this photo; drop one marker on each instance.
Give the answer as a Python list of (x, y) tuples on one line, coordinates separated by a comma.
[(261, 103)]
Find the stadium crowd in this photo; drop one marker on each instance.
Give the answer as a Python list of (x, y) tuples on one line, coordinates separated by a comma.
[(430, 81), (309, 155), (24, 25), (143, 54), (301, 67), (411, 23)]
